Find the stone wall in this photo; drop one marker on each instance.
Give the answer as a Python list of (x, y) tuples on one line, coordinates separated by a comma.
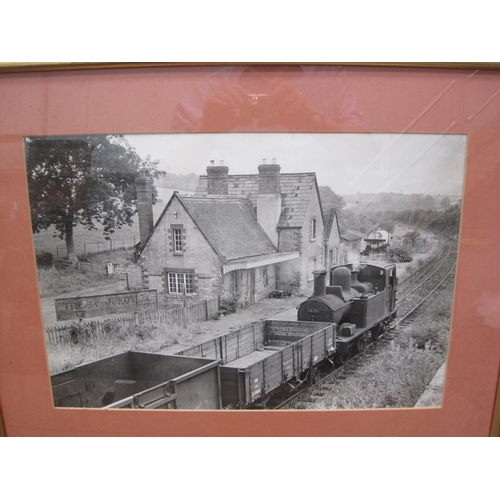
[(90, 306)]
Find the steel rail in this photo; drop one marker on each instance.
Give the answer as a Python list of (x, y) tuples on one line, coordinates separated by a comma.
[(409, 313), (441, 264)]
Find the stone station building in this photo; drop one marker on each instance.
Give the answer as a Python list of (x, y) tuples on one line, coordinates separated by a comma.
[(240, 236)]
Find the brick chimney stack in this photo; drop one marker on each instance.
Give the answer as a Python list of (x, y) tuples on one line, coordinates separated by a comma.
[(269, 199), (217, 178), (269, 178), (144, 187)]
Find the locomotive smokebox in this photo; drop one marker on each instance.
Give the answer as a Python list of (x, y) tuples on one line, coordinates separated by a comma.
[(319, 283)]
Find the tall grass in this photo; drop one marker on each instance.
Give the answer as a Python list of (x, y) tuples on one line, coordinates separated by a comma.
[(395, 378), (397, 375), (87, 345), (53, 282)]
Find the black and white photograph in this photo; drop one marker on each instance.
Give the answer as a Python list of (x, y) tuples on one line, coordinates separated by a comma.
[(246, 271)]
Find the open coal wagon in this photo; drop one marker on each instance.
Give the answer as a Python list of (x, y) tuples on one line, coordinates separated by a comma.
[(140, 380), (265, 355)]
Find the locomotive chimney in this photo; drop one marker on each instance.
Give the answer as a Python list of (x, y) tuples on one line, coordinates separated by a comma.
[(217, 178), (143, 184), (269, 199), (319, 283)]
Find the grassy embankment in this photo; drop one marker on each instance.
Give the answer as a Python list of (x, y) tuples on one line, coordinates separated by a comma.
[(54, 281), (397, 375)]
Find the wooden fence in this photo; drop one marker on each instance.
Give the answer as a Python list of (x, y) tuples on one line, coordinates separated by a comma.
[(93, 247), (177, 315)]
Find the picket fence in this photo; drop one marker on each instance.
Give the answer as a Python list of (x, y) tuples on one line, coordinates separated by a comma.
[(176, 315)]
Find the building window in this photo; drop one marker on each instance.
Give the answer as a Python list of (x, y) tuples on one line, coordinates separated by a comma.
[(177, 235), (313, 229), (177, 238), (178, 282)]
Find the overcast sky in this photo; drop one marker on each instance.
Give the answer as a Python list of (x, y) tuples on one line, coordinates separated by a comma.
[(348, 163)]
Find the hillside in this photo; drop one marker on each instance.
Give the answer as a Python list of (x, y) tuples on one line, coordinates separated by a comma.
[(398, 202)]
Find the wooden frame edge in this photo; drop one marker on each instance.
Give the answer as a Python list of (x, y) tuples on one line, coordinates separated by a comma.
[(23, 67), (495, 422), (2, 427)]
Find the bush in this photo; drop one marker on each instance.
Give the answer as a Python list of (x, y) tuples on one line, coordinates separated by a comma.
[(44, 260), (229, 306), (398, 254)]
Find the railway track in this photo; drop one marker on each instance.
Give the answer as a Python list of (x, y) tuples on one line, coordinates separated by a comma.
[(418, 290), (421, 286)]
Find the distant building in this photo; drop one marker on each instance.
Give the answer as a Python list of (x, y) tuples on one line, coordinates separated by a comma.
[(353, 242)]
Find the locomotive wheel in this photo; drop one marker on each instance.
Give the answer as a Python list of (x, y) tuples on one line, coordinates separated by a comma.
[(361, 344), (377, 332), (342, 358)]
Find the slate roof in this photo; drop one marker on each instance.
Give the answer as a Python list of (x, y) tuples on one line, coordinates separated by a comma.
[(330, 219), (230, 226), (351, 235), (296, 190)]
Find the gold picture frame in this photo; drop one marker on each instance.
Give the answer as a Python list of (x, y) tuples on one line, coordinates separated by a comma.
[(75, 98)]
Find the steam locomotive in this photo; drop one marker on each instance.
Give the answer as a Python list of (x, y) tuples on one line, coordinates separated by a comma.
[(361, 300)]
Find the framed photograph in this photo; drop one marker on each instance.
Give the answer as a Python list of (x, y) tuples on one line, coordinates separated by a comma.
[(249, 250)]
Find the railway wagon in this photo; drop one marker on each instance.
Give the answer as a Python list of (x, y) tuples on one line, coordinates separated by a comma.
[(261, 357), (360, 301), (140, 380)]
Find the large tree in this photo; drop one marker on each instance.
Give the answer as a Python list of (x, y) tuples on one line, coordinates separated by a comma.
[(329, 199), (83, 180)]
